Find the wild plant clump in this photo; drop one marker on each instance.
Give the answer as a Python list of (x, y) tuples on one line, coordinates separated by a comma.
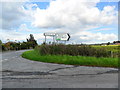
[(73, 50)]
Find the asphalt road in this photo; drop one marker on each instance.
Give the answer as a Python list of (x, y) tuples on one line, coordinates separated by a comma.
[(18, 72)]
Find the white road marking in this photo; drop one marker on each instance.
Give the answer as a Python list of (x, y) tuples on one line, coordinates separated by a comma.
[(3, 60)]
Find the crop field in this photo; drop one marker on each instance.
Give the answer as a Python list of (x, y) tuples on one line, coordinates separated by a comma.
[(113, 48)]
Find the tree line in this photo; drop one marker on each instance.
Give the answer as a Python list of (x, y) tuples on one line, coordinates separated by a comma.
[(10, 45)]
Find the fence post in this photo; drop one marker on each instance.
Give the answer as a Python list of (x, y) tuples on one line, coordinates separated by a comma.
[(111, 53)]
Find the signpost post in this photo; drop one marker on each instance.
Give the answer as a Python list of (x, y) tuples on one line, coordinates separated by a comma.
[(49, 34)]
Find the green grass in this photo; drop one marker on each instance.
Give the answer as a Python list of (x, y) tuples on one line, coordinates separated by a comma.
[(72, 60)]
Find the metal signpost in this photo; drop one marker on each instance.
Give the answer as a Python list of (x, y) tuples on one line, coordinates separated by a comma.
[(49, 34), (58, 36)]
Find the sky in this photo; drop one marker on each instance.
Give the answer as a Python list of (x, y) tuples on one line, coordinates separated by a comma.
[(86, 22)]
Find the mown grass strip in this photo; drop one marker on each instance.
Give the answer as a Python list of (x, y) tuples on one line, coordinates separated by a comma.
[(72, 60)]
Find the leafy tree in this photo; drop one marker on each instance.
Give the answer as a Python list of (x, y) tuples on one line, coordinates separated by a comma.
[(0, 42), (31, 42), (0, 45), (108, 43)]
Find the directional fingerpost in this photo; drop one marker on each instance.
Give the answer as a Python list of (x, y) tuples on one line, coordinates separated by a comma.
[(62, 37), (58, 36), (68, 36)]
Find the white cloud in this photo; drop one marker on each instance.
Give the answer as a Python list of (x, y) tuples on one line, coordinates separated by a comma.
[(76, 16), (12, 35), (23, 27), (13, 14), (73, 13), (89, 37), (72, 16), (103, 29), (25, 0)]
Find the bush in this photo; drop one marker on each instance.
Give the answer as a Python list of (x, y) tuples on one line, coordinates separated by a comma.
[(73, 50)]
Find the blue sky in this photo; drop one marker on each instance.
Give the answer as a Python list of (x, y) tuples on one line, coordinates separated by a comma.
[(101, 5), (42, 5), (86, 23)]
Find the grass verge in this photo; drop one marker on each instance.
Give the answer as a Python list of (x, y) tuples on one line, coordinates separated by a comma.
[(72, 60)]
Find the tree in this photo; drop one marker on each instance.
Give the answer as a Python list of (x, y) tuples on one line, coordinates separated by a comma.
[(108, 43), (0, 45), (0, 42), (114, 42), (31, 38), (31, 41)]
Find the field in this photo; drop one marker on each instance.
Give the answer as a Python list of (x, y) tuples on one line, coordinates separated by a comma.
[(113, 48)]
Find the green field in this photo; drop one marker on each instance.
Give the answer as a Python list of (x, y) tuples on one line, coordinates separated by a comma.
[(72, 60)]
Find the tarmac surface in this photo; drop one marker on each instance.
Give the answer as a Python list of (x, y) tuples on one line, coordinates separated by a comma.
[(18, 72)]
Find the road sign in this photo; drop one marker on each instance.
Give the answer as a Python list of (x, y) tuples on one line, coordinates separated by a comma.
[(49, 34), (62, 37), (58, 36)]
